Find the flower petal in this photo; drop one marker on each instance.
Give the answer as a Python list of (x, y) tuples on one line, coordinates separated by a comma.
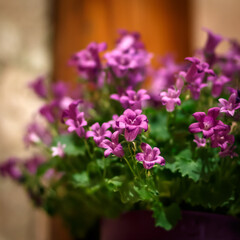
[(140, 157), (145, 147), (118, 151), (194, 128), (148, 165), (131, 135), (213, 112), (199, 116), (107, 152), (160, 160)]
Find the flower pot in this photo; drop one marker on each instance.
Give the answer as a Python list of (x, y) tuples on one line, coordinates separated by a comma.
[(139, 225)]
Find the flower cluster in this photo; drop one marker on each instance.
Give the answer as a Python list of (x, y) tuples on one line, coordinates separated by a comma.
[(214, 130), (14, 169), (87, 62), (131, 123), (150, 156), (132, 99), (75, 119), (129, 59), (100, 142)]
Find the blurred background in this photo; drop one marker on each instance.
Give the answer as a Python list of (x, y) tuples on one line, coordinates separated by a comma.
[(37, 37)]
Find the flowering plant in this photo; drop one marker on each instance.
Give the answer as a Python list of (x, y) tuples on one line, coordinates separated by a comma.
[(100, 149)]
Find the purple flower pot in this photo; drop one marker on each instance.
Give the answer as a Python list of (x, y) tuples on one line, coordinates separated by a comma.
[(139, 225)]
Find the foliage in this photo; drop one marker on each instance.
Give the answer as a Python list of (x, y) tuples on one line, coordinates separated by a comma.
[(98, 164)]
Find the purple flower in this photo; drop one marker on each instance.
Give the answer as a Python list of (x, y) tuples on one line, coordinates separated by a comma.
[(59, 89), (52, 174), (75, 120), (229, 63), (11, 169), (132, 99), (99, 133), (88, 61), (229, 106), (37, 133), (130, 65), (121, 62), (113, 122), (207, 123), (39, 87), (50, 111), (71, 106), (65, 102), (218, 84), (229, 151), (150, 156), (212, 41), (195, 88), (180, 80), (197, 69), (33, 163), (133, 122), (129, 40), (170, 98), (221, 139), (201, 142), (113, 146), (195, 74), (58, 150), (164, 77)]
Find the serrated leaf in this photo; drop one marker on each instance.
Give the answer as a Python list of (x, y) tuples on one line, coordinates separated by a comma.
[(185, 154), (160, 216), (115, 183), (173, 213), (129, 194), (143, 193), (190, 168), (81, 179), (186, 166)]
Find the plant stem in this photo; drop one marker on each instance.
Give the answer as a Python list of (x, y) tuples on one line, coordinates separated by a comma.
[(87, 147), (134, 160), (105, 170), (130, 167)]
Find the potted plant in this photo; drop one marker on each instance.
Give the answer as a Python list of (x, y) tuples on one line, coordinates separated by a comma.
[(100, 144)]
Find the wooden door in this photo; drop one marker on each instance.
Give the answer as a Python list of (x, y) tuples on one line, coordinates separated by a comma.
[(163, 24)]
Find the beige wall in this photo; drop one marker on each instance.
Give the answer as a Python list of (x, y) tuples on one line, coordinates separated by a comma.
[(221, 16), (24, 54)]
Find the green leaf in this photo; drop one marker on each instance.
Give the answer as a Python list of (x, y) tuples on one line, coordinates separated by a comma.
[(115, 183), (173, 213), (186, 166), (158, 126), (74, 145), (160, 216), (81, 179), (212, 194), (187, 154), (188, 106), (129, 194), (143, 192)]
